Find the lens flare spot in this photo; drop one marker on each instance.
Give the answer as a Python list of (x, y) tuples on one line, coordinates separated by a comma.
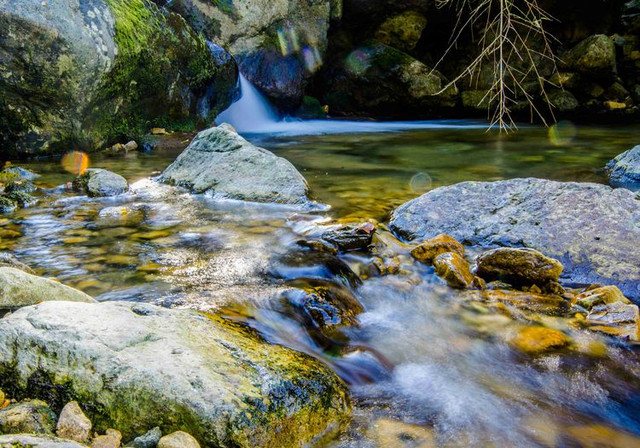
[(562, 133), (75, 162), (420, 183), (357, 62)]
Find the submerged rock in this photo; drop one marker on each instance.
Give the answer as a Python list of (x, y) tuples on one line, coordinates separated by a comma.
[(431, 248), (536, 340), (454, 270), (220, 161), (137, 366), (41, 441), (616, 319), (28, 417), (518, 267), (96, 182), (589, 228), (19, 289), (624, 170)]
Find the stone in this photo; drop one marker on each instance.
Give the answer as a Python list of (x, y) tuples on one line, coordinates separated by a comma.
[(624, 170), (135, 366), (454, 270), (149, 439), (120, 216), (599, 296), (600, 436), (388, 433), (402, 31), (221, 162), (588, 227), (19, 289), (17, 173), (130, 146), (431, 248), (616, 319), (158, 131), (614, 105), (537, 340), (27, 417), (594, 56), (73, 424), (178, 439), (562, 100), (39, 441), (348, 238), (538, 303), (518, 267), (96, 182), (111, 439), (7, 259)]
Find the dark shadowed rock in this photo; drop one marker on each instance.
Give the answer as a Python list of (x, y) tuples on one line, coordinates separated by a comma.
[(592, 229), (624, 170), (137, 366), (220, 161)]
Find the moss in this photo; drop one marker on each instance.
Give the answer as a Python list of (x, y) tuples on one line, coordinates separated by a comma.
[(161, 70), (6, 204)]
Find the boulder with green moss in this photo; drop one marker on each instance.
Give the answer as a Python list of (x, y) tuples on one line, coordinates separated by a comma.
[(80, 73), (138, 366)]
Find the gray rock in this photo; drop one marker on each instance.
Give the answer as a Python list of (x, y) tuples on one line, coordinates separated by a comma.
[(220, 161), (18, 289), (97, 182), (624, 170), (73, 424), (31, 441), (149, 439), (592, 229), (28, 417), (18, 173), (136, 366), (563, 100)]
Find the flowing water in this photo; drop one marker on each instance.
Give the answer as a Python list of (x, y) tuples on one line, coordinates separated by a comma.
[(421, 360)]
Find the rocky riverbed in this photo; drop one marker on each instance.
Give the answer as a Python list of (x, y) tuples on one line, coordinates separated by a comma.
[(215, 320)]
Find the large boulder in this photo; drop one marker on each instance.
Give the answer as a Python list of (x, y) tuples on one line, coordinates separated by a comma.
[(83, 71), (138, 366), (594, 56), (592, 229), (19, 288), (278, 44), (376, 79), (624, 170), (220, 161)]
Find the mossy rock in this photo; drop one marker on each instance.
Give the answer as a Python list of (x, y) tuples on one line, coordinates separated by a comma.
[(138, 366)]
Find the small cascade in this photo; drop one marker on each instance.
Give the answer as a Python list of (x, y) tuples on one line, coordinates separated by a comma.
[(251, 113)]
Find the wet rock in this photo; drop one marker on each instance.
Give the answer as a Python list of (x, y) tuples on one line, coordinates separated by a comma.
[(518, 267), (149, 439), (563, 100), (389, 433), (40, 441), (599, 436), (218, 380), (624, 170), (18, 289), (440, 244), (220, 161), (27, 417), (616, 319), (178, 439), (538, 303), (351, 237), (537, 340), (9, 261), (16, 173), (96, 182), (324, 265), (120, 216), (454, 270), (402, 31), (589, 228), (111, 439), (596, 55), (7, 205), (130, 146), (599, 296), (73, 424)]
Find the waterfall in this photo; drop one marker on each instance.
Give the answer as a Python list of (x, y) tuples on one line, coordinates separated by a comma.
[(251, 113)]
